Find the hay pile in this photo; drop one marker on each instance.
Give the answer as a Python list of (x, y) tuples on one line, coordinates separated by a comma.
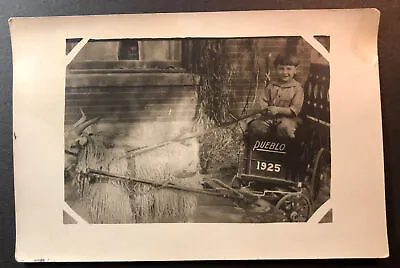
[(219, 148)]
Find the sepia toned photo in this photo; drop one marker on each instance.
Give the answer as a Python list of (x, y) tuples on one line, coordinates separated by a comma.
[(210, 130), (196, 130)]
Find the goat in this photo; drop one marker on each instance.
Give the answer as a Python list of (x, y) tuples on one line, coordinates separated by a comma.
[(99, 202), (175, 162)]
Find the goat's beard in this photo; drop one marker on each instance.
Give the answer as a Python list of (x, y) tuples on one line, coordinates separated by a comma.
[(92, 155), (96, 155)]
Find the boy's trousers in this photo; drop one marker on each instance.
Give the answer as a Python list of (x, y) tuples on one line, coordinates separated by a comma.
[(267, 126)]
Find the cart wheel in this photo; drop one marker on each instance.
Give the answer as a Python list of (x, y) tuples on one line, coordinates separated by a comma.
[(321, 161), (295, 206), (236, 182)]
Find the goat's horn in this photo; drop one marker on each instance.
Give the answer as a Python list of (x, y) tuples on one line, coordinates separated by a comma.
[(81, 120), (79, 129)]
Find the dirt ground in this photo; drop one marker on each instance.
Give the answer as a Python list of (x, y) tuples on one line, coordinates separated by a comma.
[(213, 209), (221, 210)]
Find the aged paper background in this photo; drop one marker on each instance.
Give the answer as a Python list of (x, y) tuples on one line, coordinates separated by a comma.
[(357, 195)]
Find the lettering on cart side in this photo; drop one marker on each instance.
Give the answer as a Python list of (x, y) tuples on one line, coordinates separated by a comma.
[(269, 146)]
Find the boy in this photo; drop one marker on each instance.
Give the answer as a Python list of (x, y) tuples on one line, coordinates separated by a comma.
[(280, 101)]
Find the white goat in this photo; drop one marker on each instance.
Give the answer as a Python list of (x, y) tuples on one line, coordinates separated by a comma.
[(99, 202)]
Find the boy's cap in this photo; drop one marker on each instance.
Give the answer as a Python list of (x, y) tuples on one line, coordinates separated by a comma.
[(286, 59)]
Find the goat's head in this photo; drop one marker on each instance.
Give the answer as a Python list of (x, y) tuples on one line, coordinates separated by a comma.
[(75, 139)]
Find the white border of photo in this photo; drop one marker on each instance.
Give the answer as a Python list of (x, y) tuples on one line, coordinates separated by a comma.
[(357, 199)]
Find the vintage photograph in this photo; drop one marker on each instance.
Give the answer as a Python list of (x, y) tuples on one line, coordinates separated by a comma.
[(196, 130), (209, 130)]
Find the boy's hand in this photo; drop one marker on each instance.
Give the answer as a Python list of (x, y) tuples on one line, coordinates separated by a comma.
[(273, 110), (265, 112)]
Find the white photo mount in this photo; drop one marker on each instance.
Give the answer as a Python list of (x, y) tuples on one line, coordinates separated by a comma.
[(357, 196)]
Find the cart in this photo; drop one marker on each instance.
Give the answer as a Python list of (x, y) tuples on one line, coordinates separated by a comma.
[(287, 173)]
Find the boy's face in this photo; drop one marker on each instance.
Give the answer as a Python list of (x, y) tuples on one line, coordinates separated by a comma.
[(286, 72)]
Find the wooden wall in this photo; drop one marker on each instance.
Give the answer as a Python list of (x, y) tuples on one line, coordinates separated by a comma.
[(156, 87), (162, 84), (130, 97)]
